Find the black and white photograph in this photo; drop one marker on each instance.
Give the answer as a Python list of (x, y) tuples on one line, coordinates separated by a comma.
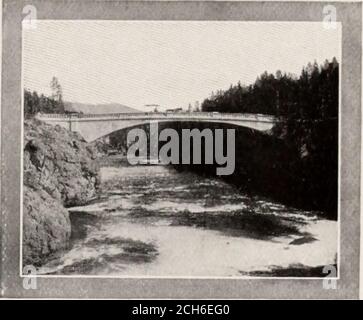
[(181, 149)]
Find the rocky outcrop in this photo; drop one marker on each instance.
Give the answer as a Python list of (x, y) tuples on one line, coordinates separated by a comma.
[(46, 226), (59, 171)]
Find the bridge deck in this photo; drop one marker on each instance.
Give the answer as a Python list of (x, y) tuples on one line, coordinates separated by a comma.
[(159, 116), (94, 126)]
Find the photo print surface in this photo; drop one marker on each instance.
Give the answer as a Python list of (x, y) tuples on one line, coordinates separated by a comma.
[(180, 149)]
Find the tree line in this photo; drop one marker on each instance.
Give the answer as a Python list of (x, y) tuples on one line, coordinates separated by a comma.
[(312, 95), (34, 103)]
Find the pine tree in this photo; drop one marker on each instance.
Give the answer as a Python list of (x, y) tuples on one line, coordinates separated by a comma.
[(56, 89)]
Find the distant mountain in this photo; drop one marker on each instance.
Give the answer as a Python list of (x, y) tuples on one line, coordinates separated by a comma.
[(98, 108)]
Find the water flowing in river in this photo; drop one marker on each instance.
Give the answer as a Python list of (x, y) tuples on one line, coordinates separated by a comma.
[(155, 221)]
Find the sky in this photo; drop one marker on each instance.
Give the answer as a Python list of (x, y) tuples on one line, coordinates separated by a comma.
[(169, 63)]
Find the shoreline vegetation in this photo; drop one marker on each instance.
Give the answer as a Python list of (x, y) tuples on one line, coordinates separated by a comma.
[(296, 163)]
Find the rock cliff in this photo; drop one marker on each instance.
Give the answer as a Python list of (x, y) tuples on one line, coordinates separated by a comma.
[(59, 170)]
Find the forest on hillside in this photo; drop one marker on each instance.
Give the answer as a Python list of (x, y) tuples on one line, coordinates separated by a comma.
[(307, 108), (312, 95)]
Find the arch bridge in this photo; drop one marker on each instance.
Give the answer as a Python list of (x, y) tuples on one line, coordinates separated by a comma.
[(94, 126)]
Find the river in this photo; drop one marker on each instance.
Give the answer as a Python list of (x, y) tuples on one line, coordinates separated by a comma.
[(156, 221)]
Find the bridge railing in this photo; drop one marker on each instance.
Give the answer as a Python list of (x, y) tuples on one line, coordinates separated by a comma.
[(155, 115)]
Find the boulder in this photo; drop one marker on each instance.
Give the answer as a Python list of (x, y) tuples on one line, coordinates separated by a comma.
[(46, 226), (59, 171)]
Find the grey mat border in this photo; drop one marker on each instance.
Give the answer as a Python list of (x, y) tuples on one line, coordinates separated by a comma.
[(348, 285)]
